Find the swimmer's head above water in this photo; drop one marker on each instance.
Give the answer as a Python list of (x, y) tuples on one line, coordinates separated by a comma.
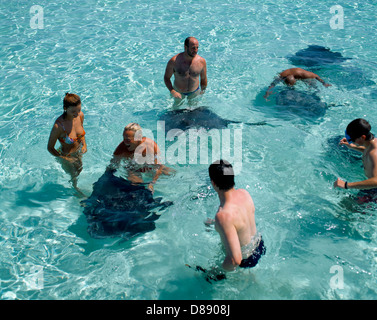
[(191, 46), (358, 128), (222, 175), (132, 135), (289, 80), (71, 105)]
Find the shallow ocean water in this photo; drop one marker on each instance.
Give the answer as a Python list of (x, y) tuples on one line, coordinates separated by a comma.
[(113, 54)]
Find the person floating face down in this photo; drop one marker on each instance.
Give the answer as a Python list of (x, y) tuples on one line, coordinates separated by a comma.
[(142, 154), (68, 129), (358, 137), (188, 68), (235, 220), (290, 77)]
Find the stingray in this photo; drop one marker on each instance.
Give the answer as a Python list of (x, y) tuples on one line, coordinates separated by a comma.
[(201, 117), (301, 103), (117, 207), (316, 56)]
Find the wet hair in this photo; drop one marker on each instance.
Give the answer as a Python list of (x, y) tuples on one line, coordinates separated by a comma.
[(71, 100), (133, 126), (359, 127), (222, 175)]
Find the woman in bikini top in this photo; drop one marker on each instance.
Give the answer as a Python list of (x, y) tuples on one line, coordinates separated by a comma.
[(68, 129), (66, 139)]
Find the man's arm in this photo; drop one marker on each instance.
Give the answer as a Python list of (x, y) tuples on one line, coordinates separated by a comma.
[(365, 184), (352, 146), (321, 81), (229, 238), (169, 71), (272, 85), (308, 75), (370, 183), (203, 77), (304, 74), (160, 167)]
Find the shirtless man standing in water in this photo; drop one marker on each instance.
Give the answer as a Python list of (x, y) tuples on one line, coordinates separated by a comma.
[(359, 138), (187, 68), (235, 220)]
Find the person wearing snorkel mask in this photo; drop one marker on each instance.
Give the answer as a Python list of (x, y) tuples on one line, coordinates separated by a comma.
[(358, 137)]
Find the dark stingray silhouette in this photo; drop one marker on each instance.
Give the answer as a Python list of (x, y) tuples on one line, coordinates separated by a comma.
[(318, 59), (291, 103), (316, 56), (201, 117), (288, 96), (117, 207), (301, 103)]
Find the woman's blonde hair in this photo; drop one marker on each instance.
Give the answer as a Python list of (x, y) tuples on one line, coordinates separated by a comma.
[(133, 126)]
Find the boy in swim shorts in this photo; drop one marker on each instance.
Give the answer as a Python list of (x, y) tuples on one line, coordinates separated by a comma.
[(235, 220)]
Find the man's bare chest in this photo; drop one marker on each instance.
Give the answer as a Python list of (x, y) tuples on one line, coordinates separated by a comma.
[(185, 70)]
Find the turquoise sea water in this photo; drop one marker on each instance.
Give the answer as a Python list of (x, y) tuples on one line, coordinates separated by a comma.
[(113, 54)]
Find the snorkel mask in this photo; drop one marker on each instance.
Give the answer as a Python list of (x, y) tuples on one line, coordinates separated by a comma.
[(349, 140)]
